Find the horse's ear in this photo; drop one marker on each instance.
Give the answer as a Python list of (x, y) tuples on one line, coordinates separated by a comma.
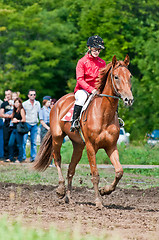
[(127, 60), (114, 60)]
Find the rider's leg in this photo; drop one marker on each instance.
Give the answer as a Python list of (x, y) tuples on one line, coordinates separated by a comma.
[(76, 113), (81, 97)]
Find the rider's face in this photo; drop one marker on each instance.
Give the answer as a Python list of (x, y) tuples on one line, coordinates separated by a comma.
[(95, 51)]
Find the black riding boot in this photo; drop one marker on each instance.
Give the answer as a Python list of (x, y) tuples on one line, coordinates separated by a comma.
[(76, 113)]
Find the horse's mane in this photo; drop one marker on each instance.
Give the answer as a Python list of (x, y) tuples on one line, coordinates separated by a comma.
[(103, 75), (101, 80)]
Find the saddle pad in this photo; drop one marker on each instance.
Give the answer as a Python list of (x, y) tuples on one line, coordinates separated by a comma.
[(68, 115)]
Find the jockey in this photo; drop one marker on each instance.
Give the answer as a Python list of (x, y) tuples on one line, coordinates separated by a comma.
[(87, 71)]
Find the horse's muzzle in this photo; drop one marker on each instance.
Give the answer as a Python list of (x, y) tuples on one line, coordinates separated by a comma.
[(128, 102)]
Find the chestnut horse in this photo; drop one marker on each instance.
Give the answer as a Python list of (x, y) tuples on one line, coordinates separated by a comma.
[(100, 129)]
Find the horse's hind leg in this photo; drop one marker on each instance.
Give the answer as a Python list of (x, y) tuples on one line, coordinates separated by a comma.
[(57, 143), (114, 158), (76, 156)]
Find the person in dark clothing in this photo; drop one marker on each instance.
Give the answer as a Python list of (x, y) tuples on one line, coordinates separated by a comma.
[(1, 135), (5, 108), (17, 116)]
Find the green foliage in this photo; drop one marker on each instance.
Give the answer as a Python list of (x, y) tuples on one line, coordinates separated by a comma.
[(37, 48), (41, 42)]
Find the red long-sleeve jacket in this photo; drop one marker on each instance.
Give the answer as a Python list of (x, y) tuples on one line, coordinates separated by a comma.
[(87, 71)]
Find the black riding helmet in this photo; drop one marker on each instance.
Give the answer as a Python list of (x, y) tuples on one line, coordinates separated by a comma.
[(96, 42)]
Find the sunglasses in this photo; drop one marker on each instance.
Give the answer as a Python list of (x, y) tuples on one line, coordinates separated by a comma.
[(32, 94), (96, 50)]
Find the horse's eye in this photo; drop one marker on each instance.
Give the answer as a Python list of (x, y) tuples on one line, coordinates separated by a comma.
[(116, 77)]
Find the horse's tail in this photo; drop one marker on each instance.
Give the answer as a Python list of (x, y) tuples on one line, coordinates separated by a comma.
[(44, 156)]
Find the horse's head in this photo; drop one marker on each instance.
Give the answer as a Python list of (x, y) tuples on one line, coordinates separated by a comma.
[(121, 80)]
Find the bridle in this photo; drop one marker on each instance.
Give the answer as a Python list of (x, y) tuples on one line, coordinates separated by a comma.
[(117, 94)]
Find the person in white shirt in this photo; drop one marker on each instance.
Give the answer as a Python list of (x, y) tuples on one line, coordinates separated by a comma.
[(32, 108)]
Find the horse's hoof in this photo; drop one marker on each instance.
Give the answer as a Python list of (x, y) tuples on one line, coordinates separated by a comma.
[(106, 190), (61, 192)]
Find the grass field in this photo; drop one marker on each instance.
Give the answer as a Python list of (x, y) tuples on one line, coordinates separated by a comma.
[(143, 154)]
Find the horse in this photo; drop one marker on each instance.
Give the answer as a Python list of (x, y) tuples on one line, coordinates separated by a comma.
[(100, 130)]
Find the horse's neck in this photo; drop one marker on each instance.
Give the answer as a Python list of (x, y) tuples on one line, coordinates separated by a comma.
[(109, 104), (109, 90)]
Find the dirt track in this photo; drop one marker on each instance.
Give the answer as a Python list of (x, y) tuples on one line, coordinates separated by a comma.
[(130, 214)]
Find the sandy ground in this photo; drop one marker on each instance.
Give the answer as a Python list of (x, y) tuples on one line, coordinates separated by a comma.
[(127, 213)]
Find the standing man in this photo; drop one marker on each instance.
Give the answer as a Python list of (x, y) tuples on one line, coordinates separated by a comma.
[(5, 109), (32, 108)]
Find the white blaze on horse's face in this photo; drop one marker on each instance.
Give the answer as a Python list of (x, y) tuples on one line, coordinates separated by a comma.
[(122, 80)]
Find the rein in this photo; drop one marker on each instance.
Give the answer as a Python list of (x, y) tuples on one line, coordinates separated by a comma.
[(105, 95)]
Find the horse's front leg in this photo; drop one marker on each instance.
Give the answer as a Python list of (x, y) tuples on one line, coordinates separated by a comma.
[(91, 153), (114, 158)]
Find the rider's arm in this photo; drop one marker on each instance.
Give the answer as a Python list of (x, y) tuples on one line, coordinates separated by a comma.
[(81, 77)]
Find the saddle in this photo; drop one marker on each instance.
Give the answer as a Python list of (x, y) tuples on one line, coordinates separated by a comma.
[(69, 114)]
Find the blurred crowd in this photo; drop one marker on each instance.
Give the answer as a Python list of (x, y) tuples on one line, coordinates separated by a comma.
[(13, 113)]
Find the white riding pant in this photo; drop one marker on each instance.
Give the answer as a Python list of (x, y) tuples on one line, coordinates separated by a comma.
[(81, 97)]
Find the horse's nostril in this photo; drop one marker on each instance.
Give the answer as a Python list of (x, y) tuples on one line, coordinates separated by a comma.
[(131, 101), (126, 100)]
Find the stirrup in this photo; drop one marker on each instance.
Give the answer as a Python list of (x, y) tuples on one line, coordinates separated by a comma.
[(75, 125), (121, 122)]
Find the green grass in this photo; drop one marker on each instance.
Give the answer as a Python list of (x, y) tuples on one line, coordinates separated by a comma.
[(146, 172), (15, 231), (24, 174), (143, 154), (131, 154)]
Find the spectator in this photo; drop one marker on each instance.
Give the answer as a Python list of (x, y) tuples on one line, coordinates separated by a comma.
[(14, 96), (32, 108), (5, 108), (17, 116), (1, 135), (44, 117), (52, 102)]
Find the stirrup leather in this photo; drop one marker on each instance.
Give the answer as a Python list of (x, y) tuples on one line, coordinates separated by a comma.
[(121, 122)]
